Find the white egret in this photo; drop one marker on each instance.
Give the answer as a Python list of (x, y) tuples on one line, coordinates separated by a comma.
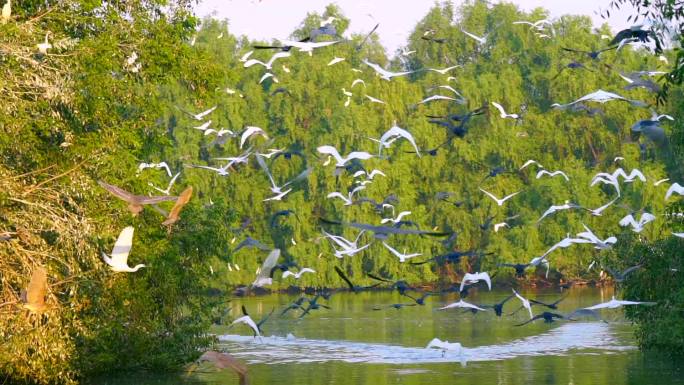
[(525, 302), (387, 75), (675, 188), (249, 132), (500, 202), (462, 304), (164, 165), (269, 64), (397, 219), (552, 174), (118, 261), (615, 303), (335, 60), (348, 200), (402, 256), (298, 274), (566, 206), (168, 188), (503, 112), (637, 226), (264, 272), (330, 150), (476, 277), (600, 96), (529, 162)]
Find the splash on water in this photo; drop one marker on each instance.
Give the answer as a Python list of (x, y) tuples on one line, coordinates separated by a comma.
[(575, 338)]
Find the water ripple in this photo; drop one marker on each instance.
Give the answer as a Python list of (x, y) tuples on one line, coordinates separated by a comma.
[(575, 338)]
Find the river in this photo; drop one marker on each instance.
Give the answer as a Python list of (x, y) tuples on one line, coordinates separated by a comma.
[(353, 344)]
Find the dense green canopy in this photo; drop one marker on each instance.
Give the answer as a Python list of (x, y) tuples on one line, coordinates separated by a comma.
[(84, 109)]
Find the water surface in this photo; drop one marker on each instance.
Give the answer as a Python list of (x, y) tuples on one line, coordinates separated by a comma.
[(353, 344)]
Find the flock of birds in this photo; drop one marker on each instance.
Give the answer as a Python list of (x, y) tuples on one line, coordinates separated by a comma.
[(394, 225)]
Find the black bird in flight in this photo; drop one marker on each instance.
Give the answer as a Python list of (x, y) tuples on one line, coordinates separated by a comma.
[(547, 316)]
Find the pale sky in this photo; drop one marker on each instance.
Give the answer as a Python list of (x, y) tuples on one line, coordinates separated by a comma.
[(268, 19)]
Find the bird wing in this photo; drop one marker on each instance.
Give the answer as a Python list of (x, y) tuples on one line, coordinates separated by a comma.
[(249, 131), (247, 320), (628, 220), (344, 278), (122, 247), (119, 192), (646, 218), (205, 113), (507, 197), (490, 195), (330, 150), (182, 200), (479, 39), (532, 319), (365, 39), (37, 288), (337, 194), (268, 265), (252, 62), (498, 107), (276, 56)]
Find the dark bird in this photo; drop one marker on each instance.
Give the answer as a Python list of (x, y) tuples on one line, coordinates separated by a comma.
[(620, 276), (383, 232), (420, 300), (314, 305), (439, 40), (633, 32), (295, 305), (245, 223), (444, 197), (365, 39), (394, 305), (278, 214), (284, 48), (498, 307), (349, 283), (401, 285), (547, 316), (573, 65), (452, 257), (519, 268), (379, 207), (594, 55), (282, 267), (281, 90), (135, 202), (251, 242), (288, 155)]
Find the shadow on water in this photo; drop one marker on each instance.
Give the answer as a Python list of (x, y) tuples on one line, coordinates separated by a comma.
[(352, 344)]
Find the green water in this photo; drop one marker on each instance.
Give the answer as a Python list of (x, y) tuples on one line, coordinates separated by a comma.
[(352, 344)]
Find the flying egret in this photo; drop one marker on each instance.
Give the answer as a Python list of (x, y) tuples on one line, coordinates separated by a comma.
[(263, 277), (443, 71), (525, 303), (462, 304), (330, 150), (348, 200), (530, 162), (394, 133), (566, 206), (598, 243), (476, 277), (637, 226), (500, 202), (601, 96), (358, 81), (249, 132), (268, 75), (164, 165), (374, 100), (269, 64), (336, 60), (661, 181), (440, 97), (480, 40), (200, 116), (614, 304), (118, 261), (552, 174), (503, 112), (675, 188), (598, 212), (370, 175), (387, 75), (298, 274), (402, 256), (247, 320), (397, 219)]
